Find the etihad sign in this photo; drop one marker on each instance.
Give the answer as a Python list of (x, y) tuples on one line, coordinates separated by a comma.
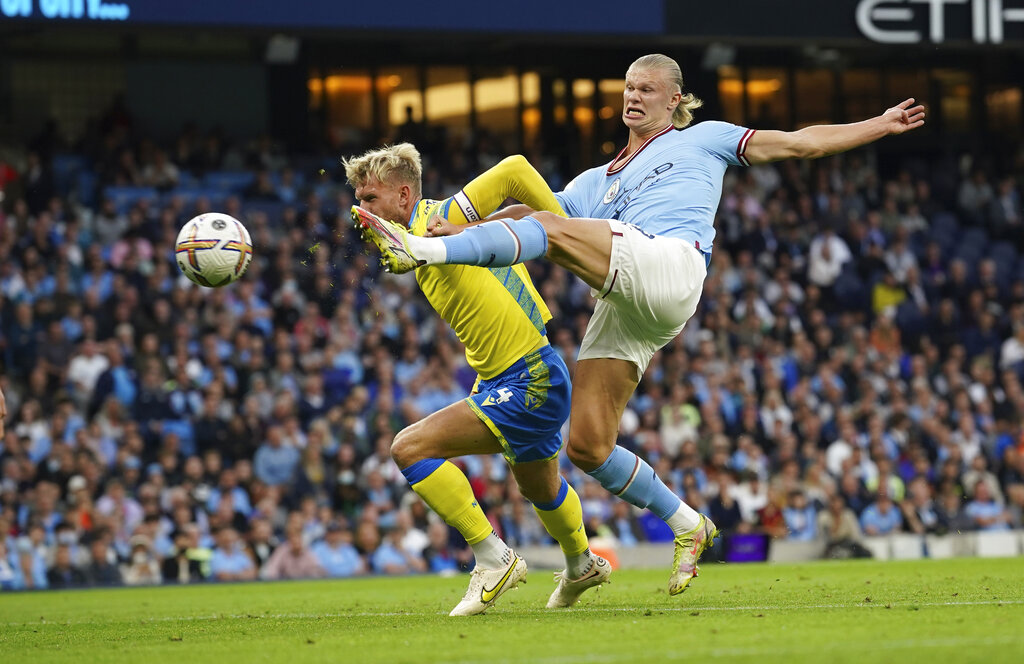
[(894, 21)]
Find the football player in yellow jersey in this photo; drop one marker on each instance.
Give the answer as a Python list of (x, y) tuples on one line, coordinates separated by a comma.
[(523, 391)]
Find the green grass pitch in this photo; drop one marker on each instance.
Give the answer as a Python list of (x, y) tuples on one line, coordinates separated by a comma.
[(848, 611)]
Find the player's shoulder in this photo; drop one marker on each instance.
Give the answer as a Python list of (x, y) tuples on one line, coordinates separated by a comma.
[(428, 206), (710, 128), (587, 177), (423, 211)]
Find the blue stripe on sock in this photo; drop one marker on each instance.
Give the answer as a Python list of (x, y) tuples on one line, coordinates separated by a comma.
[(563, 491), (421, 470)]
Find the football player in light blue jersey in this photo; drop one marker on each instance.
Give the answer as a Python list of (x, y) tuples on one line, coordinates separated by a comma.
[(640, 234)]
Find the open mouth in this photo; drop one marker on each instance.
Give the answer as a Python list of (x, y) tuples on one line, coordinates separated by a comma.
[(634, 113)]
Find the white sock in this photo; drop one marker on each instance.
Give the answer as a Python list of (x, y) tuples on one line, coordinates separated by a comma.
[(684, 520), (429, 249), (491, 552), (578, 565)]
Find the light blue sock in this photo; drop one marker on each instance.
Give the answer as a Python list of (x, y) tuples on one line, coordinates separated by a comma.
[(498, 243), (631, 478)]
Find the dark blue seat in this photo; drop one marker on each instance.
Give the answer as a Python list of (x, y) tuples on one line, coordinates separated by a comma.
[(125, 197), (232, 181)]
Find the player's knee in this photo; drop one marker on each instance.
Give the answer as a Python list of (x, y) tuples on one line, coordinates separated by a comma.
[(513, 162), (541, 494), (551, 222), (404, 448), (584, 456)]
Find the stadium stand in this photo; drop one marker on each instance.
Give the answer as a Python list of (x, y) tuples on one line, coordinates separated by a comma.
[(859, 338)]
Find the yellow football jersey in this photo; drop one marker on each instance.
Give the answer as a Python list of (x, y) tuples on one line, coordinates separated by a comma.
[(496, 313)]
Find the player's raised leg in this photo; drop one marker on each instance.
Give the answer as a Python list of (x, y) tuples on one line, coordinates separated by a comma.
[(560, 510), (582, 246), (420, 450), (603, 388)]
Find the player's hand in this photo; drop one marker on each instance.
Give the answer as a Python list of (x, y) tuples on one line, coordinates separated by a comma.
[(903, 117), (438, 226)]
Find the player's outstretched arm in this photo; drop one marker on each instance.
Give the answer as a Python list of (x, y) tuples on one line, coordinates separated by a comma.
[(824, 140)]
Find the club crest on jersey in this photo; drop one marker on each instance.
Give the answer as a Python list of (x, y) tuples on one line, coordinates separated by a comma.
[(609, 195)]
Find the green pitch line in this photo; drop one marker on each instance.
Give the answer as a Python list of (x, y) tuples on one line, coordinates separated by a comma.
[(848, 611)]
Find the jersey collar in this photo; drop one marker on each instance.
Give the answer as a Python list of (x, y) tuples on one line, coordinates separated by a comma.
[(613, 171)]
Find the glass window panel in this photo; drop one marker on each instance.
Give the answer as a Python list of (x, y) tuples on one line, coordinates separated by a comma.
[(529, 88), (768, 98), (400, 100), (730, 94), (1003, 106), (496, 100), (902, 84), (610, 126), (862, 94), (956, 86), (448, 96), (815, 92), (349, 103)]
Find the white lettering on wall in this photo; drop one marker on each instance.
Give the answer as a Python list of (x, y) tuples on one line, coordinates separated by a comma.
[(891, 21), (67, 9)]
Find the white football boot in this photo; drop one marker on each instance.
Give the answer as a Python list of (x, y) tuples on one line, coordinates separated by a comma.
[(569, 590), (487, 585)]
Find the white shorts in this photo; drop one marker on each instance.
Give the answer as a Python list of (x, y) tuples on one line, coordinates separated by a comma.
[(652, 288)]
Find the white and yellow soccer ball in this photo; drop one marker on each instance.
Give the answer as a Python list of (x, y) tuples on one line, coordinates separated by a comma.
[(213, 249)]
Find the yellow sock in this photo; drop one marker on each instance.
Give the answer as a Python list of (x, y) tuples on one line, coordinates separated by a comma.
[(447, 491), (564, 521), (512, 177)]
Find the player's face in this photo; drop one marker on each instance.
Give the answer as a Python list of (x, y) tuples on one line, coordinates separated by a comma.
[(648, 100), (384, 199)]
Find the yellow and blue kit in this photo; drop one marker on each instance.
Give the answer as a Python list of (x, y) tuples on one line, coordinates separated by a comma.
[(523, 391)]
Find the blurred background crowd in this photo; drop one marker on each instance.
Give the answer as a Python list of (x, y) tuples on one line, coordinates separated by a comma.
[(855, 367)]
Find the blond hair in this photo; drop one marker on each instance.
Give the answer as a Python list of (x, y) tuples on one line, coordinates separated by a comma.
[(682, 115), (400, 162)]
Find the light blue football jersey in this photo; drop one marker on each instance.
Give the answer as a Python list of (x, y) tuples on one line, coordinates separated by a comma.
[(671, 186)]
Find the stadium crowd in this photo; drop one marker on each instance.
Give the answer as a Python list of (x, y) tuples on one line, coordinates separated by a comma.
[(855, 367)]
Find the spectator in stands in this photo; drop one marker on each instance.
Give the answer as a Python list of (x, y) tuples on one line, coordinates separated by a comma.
[(179, 566), (920, 514), (275, 462), (313, 350), (440, 555), (827, 254), (63, 573), (881, 517), (160, 173), (102, 569), (292, 559), (838, 524), (142, 567), (336, 554), (983, 510), (801, 518), (230, 561)]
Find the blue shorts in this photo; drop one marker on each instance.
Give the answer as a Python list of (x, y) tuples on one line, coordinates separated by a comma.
[(526, 405)]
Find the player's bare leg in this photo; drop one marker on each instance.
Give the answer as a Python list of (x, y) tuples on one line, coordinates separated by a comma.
[(601, 389)]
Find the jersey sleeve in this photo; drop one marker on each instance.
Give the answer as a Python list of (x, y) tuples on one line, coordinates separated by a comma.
[(726, 141), (513, 177), (577, 197)]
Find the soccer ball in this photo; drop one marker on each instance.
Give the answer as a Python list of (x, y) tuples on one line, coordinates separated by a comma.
[(213, 249)]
